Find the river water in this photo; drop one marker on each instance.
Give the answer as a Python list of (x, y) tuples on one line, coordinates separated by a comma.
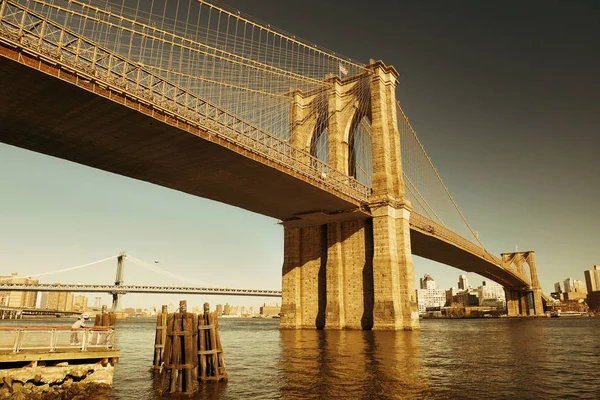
[(447, 359)]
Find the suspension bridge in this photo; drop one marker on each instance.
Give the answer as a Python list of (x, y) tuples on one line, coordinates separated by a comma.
[(196, 97), (119, 288)]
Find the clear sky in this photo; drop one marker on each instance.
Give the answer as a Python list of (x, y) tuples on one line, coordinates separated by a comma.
[(505, 96)]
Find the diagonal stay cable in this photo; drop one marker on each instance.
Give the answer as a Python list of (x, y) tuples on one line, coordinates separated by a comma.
[(440, 178), (163, 272)]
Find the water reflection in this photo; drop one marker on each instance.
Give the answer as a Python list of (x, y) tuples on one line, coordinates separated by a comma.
[(353, 364)]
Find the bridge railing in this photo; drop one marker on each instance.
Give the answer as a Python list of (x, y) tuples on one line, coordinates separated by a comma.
[(428, 225), (92, 63), (55, 339)]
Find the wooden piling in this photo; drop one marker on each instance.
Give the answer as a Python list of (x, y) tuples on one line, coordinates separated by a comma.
[(190, 355), (167, 357), (161, 335), (105, 319), (179, 367), (108, 320), (202, 346), (112, 320), (211, 360), (191, 350), (220, 355)]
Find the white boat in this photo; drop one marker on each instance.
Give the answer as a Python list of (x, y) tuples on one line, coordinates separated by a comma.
[(563, 314)]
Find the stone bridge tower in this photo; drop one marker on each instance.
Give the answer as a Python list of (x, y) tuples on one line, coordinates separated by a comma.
[(351, 272), (523, 301)]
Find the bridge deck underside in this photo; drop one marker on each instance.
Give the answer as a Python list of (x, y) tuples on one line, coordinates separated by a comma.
[(436, 249), (48, 115)]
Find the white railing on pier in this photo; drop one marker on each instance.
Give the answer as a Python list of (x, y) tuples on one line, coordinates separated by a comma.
[(55, 339)]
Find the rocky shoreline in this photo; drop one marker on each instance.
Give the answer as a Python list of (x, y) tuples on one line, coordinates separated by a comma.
[(64, 381)]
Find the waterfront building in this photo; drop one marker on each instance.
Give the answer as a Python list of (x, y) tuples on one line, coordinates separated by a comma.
[(98, 302), (579, 286), (492, 295), (80, 303), (227, 309), (467, 299), (430, 298), (429, 295), (450, 293), (574, 296), (18, 299), (592, 279), (593, 301), (60, 301), (463, 283), (219, 310), (270, 309)]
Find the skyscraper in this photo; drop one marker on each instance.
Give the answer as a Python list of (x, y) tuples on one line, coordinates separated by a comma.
[(592, 279), (579, 286), (427, 282), (463, 283), (569, 285), (557, 287)]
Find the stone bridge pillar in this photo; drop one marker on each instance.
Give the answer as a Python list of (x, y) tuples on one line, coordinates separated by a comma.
[(393, 269), (356, 274), (523, 301)]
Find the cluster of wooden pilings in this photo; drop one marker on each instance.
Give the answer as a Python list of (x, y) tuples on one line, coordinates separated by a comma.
[(187, 350), (106, 319)]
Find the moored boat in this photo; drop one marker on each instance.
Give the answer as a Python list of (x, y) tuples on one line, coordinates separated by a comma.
[(563, 314)]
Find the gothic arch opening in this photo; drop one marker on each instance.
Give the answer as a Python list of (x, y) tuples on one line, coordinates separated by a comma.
[(360, 159)]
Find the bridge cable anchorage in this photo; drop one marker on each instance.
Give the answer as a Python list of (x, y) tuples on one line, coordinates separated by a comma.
[(65, 269)]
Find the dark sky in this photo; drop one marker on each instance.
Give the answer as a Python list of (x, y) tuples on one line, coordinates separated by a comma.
[(504, 95)]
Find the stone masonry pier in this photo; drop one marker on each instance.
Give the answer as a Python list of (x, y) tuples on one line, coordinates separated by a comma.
[(356, 273)]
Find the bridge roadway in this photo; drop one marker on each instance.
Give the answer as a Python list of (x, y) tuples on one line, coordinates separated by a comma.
[(60, 110), (124, 289), (37, 311)]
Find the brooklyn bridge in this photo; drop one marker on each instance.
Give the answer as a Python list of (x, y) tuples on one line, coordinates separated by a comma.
[(204, 100)]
